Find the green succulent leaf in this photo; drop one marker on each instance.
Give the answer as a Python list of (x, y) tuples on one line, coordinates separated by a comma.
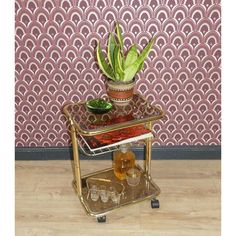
[(131, 56), (120, 38), (110, 50), (140, 67), (118, 67), (119, 60), (106, 69), (134, 68)]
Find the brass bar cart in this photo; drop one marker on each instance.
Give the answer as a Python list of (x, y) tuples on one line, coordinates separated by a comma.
[(85, 123)]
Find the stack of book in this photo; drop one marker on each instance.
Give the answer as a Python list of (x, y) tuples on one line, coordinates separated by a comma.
[(117, 137)]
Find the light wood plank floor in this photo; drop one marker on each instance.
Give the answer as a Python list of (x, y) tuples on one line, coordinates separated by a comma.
[(46, 204)]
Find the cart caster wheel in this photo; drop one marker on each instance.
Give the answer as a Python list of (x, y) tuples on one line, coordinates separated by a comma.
[(101, 219), (155, 203)]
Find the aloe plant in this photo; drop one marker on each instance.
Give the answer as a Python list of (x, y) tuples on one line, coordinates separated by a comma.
[(120, 67)]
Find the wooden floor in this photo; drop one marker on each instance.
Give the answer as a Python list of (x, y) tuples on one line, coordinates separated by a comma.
[(46, 204)]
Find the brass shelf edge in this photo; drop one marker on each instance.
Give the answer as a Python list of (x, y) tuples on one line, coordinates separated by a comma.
[(120, 206)]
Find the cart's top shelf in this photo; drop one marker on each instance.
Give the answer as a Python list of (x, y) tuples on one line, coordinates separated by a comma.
[(138, 111)]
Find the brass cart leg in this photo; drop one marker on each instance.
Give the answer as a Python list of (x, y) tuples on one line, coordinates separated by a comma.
[(77, 170), (154, 202), (148, 153)]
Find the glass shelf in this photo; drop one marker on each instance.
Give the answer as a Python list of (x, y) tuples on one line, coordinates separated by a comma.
[(138, 111), (146, 189)]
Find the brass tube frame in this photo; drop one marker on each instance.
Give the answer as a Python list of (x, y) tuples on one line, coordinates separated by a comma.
[(148, 153), (75, 128), (76, 163)]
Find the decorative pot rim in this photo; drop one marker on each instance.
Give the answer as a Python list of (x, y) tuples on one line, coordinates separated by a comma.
[(121, 82)]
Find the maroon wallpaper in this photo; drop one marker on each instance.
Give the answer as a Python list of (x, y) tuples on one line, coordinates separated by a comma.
[(54, 48)]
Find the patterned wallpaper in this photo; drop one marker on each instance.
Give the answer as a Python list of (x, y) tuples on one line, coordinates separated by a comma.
[(54, 63)]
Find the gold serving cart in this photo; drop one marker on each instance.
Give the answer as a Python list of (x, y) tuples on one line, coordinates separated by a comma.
[(83, 122)]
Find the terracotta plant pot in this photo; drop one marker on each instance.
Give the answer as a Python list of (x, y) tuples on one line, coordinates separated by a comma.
[(120, 93)]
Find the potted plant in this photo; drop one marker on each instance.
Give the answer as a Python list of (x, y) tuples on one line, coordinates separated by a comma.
[(121, 67)]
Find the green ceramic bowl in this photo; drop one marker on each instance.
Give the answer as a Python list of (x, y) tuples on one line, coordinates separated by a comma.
[(99, 106)]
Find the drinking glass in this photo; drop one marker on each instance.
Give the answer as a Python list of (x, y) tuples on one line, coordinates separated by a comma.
[(94, 193), (115, 196), (104, 194)]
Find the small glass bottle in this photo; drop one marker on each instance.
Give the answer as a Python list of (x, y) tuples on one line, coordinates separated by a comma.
[(123, 160)]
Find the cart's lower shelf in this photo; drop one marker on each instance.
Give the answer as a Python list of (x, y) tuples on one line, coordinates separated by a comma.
[(146, 189)]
